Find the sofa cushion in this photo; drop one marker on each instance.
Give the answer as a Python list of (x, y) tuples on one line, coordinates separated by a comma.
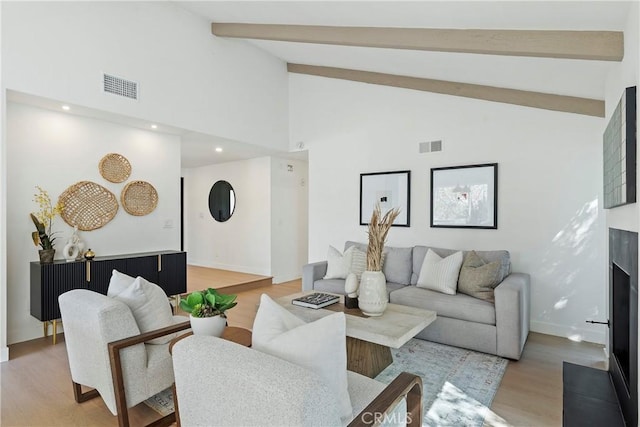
[(488, 256), (479, 278), (440, 274), (148, 303), (397, 262), (459, 306), (338, 265), (319, 346), (118, 283), (336, 286), (358, 262)]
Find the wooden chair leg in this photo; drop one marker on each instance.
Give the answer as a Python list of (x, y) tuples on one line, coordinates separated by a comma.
[(83, 397), (175, 405), (414, 406), (118, 387)]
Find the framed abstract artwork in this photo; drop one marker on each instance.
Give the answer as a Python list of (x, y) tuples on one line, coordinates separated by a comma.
[(389, 190), (465, 196), (619, 153)]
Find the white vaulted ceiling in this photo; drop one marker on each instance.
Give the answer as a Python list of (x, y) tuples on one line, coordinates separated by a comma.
[(572, 77)]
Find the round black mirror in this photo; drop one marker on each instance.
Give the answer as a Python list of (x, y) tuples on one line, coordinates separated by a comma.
[(222, 201)]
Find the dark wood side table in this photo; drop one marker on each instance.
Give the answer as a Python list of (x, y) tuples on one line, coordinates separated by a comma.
[(231, 333)]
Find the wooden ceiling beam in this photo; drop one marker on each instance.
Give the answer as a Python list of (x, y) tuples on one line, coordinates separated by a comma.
[(546, 101), (589, 45)]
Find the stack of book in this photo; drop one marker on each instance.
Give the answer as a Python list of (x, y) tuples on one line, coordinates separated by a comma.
[(316, 300)]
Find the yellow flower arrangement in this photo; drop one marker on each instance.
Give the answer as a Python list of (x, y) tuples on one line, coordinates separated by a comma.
[(43, 219)]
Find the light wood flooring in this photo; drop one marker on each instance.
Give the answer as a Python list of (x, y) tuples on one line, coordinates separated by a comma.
[(199, 278), (36, 384)]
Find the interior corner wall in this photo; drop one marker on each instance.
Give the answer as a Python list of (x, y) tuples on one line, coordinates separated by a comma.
[(549, 183), (242, 243), (187, 77), (55, 150), (289, 218), (624, 74), (4, 349)]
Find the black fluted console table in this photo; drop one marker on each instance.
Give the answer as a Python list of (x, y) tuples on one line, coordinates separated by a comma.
[(167, 269)]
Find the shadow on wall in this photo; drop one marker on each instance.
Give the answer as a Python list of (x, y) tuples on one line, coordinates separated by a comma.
[(571, 278)]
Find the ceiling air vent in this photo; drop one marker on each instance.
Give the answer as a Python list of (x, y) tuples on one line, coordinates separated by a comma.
[(429, 147), (119, 86)]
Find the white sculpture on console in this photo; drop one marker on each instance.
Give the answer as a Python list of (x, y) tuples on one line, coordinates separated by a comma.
[(74, 248), (351, 285), (351, 288)]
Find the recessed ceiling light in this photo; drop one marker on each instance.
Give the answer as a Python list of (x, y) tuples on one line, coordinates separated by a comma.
[(218, 150), (66, 108), (154, 126)]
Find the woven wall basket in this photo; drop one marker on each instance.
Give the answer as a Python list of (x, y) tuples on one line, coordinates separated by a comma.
[(88, 205), (115, 167), (139, 198)]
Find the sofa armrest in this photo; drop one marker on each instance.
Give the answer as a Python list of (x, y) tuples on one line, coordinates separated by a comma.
[(512, 300), (311, 273)]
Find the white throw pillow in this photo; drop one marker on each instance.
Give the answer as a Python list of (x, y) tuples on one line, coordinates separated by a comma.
[(338, 265), (319, 346), (358, 262), (440, 274), (149, 306), (118, 283)]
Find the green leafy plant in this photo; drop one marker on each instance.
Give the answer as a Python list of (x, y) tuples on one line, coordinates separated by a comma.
[(43, 219), (208, 303)]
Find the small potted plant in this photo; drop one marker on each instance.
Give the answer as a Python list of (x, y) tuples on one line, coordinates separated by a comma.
[(207, 311), (43, 220)]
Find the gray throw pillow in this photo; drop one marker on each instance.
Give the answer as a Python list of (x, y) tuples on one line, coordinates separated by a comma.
[(478, 278)]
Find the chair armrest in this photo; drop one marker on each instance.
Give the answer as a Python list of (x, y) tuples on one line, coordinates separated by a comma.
[(116, 366), (512, 300), (311, 273), (405, 385)]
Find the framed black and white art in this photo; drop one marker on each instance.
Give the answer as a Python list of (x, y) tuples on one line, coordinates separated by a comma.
[(390, 190), (465, 196)]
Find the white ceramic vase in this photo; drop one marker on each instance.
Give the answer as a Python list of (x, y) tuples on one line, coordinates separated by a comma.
[(212, 326), (373, 297)]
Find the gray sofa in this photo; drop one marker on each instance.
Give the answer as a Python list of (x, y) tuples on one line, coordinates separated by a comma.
[(463, 321)]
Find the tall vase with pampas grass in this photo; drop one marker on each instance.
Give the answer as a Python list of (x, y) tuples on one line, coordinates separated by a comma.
[(373, 298)]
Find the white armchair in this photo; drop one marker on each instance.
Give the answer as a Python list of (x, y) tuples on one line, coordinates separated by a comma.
[(218, 382), (107, 352)]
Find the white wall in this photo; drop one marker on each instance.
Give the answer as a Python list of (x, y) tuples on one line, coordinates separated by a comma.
[(188, 78), (549, 207), (267, 233), (243, 243), (289, 219), (55, 150), (624, 74)]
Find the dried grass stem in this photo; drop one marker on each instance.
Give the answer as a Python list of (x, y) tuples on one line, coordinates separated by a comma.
[(378, 229)]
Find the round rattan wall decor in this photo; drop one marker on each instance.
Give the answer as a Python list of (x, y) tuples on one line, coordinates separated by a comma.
[(115, 167), (88, 205), (139, 198)]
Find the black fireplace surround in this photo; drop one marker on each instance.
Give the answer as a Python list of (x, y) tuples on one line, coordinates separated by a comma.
[(610, 398), (623, 312)]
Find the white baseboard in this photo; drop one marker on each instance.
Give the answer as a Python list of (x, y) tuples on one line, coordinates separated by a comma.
[(573, 333), (239, 268), (281, 278), (4, 354)]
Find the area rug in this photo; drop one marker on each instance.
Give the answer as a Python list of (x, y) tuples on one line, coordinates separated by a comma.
[(458, 384)]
